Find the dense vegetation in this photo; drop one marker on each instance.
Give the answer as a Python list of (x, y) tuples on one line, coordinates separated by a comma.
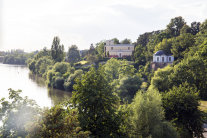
[(120, 98), (18, 57)]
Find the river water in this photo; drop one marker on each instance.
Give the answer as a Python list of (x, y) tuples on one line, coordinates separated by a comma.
[(19, 77)]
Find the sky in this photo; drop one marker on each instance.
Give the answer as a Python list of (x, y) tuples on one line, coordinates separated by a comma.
[(32, 24)]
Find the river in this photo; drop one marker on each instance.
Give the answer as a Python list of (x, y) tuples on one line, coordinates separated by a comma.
[(19, 77)]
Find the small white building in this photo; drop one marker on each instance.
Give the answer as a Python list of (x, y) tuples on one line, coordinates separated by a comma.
[(162, 57)]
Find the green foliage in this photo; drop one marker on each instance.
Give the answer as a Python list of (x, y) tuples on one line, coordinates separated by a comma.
[(116, 41), (18, 57), (41, 63), (115, 69), (15, 113), (126, 41), (181, 45), (127, 87), (195, 27), (161, 79), (68, 85), (147, 117), (57, 75), (96, 104), (181, 106), (15, 59), (165, 45), (57, 50), (185, 29), (175, 26), (22, 117), (143, 39), (56, 122), (192, 70), (203, 27), (112, 69), (100, 48), (73, 55), (139, 55)]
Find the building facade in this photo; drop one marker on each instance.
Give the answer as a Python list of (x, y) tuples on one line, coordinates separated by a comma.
[(161, 59), (118, 50)]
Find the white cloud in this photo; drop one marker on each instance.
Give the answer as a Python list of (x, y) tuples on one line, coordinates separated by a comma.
[(33, 24)]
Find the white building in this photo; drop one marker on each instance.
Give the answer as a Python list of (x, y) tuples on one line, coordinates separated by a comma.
[(162, 57), (118, 50)]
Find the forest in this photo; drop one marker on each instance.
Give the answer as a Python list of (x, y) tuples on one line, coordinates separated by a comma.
[(115, 97)]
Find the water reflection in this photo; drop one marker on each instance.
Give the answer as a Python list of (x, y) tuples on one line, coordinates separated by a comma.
[(39, 80), (58, 96), (18, 77)]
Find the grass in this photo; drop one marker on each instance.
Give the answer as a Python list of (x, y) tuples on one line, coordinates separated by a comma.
[(203, 106)]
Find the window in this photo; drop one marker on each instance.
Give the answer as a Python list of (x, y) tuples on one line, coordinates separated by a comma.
[(128, 48), (112, 48), (163, 59), (170, 59), (158, 59)]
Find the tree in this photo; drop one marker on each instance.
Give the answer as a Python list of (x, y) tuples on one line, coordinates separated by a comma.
[(181, 45), (68, 85), (92, 55), (96, 104), (195, 27), (73, 54), (100, 48), (128, 86), (185, 29), (165, 45), (115, 69), (126, 41), (147, 117), (175, 25), (116, 41), (57, 122), (203, 27), (57, 50), (181, 106), (57, 75), (139, 55), (144, 39), (161, 80), (16, 113), (112, 69)]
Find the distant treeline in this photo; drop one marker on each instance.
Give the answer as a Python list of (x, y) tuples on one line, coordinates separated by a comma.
[(18, 57)]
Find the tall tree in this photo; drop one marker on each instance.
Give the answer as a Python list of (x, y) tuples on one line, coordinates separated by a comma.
[(73, 54), (57, 50), (100, 48), (147, 117), (181, 106), (181, 45), (195, 27), (175, 25), (96, 104)]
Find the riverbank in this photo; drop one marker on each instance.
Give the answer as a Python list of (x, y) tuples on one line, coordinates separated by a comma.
[(18, 77)]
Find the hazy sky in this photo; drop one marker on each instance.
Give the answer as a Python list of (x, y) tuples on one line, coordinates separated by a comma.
[(32, 24)]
